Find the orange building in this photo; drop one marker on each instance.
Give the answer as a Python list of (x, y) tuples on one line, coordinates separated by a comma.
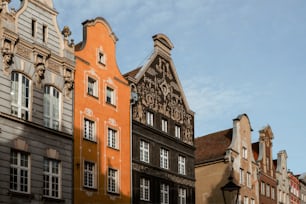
[(102, 160)]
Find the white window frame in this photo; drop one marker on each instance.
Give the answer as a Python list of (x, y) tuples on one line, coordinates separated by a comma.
[(112, 138), (164, 158), (52, 178), (245, 200), (52, 107), (20, 172), (268, 190), (252, 201), (110, 95), (182, 195), (177, 132), (263, 188), (92, 86), (89, 132), (248, 179), (164, 125), (89, 178), (150, 118), (112, 180), (21, 95), (164, 193), (101, 57), (144, 189), (144, 151), (244, 153), (182, 165), (241, 177), (272, 193)]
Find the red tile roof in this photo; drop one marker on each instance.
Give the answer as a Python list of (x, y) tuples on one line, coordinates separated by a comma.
[(132, 73), (212, 146)]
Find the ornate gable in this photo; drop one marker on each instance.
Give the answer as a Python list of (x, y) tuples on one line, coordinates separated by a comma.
[(159, 90)]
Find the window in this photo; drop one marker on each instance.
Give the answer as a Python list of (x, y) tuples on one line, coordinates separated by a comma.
[(244, 153), (20, 172), (89, 130), (144, 189), (144, 151), (150, 118), (89, 174), (263, 192), (44, 33), (112, 186), (110, 96), (164, 194), (177, 131), (164, 125), (245, 200), (51, 107), (52, 178), (33, 27), (101, 57), (268, 190), (182, 196), (164, 158), (252, 201), (249, 184), (20, 92), (273, 193), (181, 165), (92, 87), (241, 172), (112, 140)]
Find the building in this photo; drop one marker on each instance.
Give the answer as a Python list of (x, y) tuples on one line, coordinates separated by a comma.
[(294, 188), (162, 131), (302, 180), (262, 151), (36, 101), (102, 157), (282, 177), (223, 155)]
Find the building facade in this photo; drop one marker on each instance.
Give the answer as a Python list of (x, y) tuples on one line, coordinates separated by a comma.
[(302, 179), (282, 177), (267, 176), (102, 157), (222, 155), (36, 101), (162, 131), (294, 188)]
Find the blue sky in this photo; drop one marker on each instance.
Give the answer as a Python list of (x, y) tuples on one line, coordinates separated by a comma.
[(232, 57)]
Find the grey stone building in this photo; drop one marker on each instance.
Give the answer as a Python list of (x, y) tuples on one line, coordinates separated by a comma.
[(162, 131), (36, 92)]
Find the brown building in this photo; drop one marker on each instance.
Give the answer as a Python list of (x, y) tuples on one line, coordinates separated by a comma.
[(262, 151), (294, 188), (223, 154), (162, 131)]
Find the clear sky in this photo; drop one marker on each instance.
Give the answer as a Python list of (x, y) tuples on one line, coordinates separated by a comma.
[(232, 57)]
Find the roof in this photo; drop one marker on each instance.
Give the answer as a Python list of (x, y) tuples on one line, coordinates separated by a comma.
[(212, 146), (255, 149), (132, 73)]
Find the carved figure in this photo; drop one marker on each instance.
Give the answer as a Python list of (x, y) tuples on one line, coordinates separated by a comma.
[(7, 60), (68, 83), (39, 74)]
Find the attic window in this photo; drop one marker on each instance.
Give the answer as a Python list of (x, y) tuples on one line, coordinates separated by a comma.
[(44, 33), (33, 27), (101, 57)]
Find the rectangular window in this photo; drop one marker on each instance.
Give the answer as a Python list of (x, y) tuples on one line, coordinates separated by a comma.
[(182, 196), (112, 140), (101, 57), (268, 190), (244, 153), (110, 96), (89, 174), (44, 33), (20, 172), (252, 201), (245, 200), (241, 180), (164, 125), (52, 178), (177, 131), (262, 189), (33, 27), (164, 194), (20, 93), (89, 130), (164, 162), (144, 151), (273, 193), (150, 118), (181, 165), (249, 180), (144, 189), (92, 87), (112, 185), (51, 107)]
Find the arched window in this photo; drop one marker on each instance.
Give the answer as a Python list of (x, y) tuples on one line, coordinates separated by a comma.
[(52, 107), (20, 95)]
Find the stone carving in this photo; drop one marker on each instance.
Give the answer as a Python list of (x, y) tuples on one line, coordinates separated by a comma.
[(39, 74), (158, 91), (7, 55), (68, 81)]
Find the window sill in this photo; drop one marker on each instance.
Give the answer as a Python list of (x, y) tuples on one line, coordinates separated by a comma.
[(88, 140), (109, 103), (114, 148), (113, 193), (93, 96), (90, 188), (53, 200)]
